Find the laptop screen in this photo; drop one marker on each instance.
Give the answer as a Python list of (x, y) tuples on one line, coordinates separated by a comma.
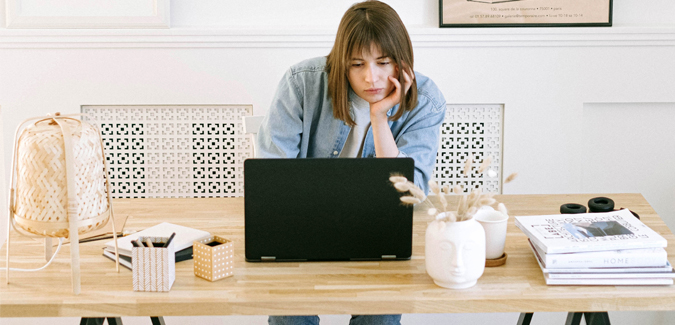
[(326, 209)]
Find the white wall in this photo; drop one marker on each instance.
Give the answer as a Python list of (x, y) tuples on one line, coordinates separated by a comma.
[(556, 84)]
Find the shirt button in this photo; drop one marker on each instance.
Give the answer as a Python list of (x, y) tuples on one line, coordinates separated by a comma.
[(335, 153)]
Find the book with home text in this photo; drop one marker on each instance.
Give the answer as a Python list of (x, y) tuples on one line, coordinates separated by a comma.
[(639, 257)]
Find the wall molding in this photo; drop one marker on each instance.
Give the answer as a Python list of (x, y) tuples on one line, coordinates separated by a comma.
[(297, 38)]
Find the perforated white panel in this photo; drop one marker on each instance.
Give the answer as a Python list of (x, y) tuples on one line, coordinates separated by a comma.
[(470, 131), (174, 151)]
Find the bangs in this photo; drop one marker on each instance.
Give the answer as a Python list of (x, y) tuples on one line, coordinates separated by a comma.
[(367, 35)]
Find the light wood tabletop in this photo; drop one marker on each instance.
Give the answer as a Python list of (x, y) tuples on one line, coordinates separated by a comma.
[(311, 287)]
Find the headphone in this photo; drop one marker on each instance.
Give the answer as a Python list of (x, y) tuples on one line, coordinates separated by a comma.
[(596, 204)]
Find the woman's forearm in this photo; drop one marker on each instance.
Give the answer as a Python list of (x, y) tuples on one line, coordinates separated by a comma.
[(385, 146)]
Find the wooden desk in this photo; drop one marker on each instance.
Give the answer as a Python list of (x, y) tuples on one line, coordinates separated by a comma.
[(311, 287)]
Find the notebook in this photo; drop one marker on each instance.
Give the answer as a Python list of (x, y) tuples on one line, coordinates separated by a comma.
[(323, 209), (181, 255), (185, 236)]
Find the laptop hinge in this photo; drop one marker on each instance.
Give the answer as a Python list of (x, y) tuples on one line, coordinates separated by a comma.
[(388, 257), (268, 258)]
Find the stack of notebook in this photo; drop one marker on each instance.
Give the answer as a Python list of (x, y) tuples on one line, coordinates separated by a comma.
[(183, 240), (611, 248)]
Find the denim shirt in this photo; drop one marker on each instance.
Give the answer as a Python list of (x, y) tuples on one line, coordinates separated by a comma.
[(300, 122)]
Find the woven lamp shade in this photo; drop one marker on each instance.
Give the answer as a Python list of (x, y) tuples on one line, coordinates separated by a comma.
[(59, 185), (41, 197)]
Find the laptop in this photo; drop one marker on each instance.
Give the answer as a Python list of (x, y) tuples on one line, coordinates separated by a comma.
[(326, 209)]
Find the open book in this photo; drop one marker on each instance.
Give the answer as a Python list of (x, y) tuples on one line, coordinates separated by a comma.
[(184, 237)]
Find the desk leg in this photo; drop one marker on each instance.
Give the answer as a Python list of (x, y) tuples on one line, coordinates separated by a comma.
[(114, 320), (601, 318), (573, 318), (156, 320), (525, 318), (92, 321)]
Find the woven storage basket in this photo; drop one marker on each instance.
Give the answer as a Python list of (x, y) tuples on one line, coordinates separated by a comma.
[(41, 205)]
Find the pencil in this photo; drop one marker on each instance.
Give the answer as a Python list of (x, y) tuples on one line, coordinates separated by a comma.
[(170, 239)]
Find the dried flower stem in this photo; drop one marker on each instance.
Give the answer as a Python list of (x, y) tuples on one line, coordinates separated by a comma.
[(444, 202), (434, 187), (410, 200), (402, 186), (467, 167), (502, 208), (397, 179), (441, 196), (486, 163), (510, 178), (468, 204), (461, 208), (416, 191)]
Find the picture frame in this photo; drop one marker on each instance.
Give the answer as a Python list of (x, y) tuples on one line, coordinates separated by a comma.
[(87, 14), (525, 13)]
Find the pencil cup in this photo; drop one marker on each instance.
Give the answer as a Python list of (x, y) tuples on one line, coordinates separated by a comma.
[(214, 258), (154, 268), (494, 223)]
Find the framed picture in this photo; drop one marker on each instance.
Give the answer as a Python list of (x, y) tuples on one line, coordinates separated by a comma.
[(525, 13), (87, 14)]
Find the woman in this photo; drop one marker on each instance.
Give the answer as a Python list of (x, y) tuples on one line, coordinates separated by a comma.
[(362, 100)]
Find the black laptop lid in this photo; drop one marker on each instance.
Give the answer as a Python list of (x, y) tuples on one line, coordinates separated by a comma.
[(326, 209)]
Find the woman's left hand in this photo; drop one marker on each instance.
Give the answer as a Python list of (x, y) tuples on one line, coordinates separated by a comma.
[(380, 109)]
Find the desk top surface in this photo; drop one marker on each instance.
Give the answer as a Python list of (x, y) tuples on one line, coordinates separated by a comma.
[(310, 287)]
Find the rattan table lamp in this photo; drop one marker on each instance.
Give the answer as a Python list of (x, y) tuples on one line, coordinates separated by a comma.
[(59, 183)]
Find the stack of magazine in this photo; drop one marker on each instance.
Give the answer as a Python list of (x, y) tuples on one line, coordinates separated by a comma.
[(609, 248)]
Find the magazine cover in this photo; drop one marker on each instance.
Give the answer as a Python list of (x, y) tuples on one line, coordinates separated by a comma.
[(587, 232)]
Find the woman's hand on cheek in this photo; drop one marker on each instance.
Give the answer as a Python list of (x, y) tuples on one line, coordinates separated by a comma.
[(380, 109)]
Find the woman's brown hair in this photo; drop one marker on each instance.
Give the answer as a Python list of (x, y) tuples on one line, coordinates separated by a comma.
[(366, 24)]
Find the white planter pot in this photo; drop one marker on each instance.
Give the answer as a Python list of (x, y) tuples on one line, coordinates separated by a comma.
[(455, 253)]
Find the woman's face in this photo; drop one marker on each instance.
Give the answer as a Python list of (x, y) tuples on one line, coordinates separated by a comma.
[(369, 74)]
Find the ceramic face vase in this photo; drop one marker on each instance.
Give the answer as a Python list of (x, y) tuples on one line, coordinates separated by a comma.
[(455, 253)]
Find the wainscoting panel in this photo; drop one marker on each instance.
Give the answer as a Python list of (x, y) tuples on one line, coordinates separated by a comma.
[(471, 132), (174, 151)]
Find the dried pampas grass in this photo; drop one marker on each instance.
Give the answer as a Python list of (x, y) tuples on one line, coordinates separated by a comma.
[(486, 163), (467, 166), (397, 179), (410, 200), (468, 204), (510, 178), (402, 186)]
